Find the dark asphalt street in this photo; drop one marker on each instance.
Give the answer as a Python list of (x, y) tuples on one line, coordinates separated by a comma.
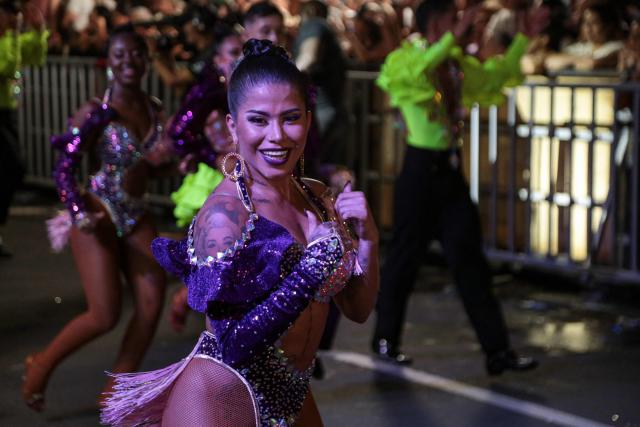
[(589, 349)]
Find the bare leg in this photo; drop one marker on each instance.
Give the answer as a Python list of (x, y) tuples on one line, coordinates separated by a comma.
[(309, 414), (148, 281), (208, 394), (96, 257)]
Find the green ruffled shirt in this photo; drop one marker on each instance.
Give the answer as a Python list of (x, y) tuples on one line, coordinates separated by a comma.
[(28, 48), (194, 191), (407, 76)]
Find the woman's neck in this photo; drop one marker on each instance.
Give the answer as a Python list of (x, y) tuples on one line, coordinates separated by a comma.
[(276, 190), (127, 94)]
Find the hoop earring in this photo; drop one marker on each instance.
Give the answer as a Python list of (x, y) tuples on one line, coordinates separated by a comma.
[(301, 166), (239, 168)]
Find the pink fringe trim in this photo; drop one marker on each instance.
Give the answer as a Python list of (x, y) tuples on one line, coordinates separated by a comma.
[(140, 398), (58, 230)]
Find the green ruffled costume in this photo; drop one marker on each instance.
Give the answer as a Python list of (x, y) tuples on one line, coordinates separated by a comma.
[(28, 48), (193, 192), (407, 76)]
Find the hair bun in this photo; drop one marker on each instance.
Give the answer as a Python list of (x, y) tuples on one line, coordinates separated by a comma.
[(255, 47)]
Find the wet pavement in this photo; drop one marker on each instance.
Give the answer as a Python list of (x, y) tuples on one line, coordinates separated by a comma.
[(588, 343)]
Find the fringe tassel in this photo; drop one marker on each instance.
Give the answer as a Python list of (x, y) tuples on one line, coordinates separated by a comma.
[(58, 230), (140, 398)]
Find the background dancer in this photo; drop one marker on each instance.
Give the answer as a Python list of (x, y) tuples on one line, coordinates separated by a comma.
[(110, 229), (198, 130), (424, 79)]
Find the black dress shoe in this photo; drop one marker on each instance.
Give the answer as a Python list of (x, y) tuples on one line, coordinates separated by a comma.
[(386, 352), (4, 252), (318, 370), (499, 362)]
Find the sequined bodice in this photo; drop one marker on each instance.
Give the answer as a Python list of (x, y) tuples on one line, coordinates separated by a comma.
[(119, 149), (265, 254), (338, 279)]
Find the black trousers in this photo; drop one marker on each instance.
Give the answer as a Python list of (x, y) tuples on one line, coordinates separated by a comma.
[(11, 169), (432, 202)]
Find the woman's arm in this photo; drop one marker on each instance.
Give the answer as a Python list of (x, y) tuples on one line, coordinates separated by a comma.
[(357, 300), (85, 127), (244, 333)]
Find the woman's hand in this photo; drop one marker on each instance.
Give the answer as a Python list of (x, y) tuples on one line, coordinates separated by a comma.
[(352, 207), (317, 230), (162, 152)]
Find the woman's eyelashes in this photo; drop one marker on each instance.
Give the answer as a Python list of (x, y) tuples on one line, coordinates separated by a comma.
[(119, 54), (263, 121), (292, 118), (258, 120)]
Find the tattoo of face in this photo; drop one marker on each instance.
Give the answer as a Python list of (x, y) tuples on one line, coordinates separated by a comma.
[(217, 228)]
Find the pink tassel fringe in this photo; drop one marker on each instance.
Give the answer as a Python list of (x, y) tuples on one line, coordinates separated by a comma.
[(59, 229), (140, 398)]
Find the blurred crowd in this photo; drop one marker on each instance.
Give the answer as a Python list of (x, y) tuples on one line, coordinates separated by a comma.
[(578, 34)]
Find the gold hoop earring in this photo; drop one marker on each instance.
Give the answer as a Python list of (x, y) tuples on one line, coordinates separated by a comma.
[(239, 168), (301, 165)]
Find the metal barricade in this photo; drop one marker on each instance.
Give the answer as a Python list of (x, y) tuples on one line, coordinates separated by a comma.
[(52, 94), (559, 190), (554, 171)]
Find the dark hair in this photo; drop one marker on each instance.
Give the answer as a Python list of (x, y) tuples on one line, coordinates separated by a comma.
[(264, 62), (260, 10), (314, 9), (429, 9), (555, 29), (203, 18), (609, 16), (221, 32), (127, 30)]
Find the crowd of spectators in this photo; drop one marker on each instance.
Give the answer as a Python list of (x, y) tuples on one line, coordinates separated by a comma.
[(578, 34)]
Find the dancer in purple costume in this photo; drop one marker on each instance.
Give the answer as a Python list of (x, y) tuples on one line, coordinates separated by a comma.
[(263, 257), (199, 133), (108, 226)]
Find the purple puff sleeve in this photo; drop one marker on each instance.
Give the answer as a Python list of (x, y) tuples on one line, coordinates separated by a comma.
[(172, 255), (186, 128), (248, 299), (70, 146), (246, 334)]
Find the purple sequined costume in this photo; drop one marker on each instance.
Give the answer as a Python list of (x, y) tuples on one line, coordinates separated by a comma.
[(117, 150), (252, 294), (186, 128)]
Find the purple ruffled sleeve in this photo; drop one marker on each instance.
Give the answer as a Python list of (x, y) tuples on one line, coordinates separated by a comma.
[(249, 302), (248, 334), (70, 145), (186, 128)]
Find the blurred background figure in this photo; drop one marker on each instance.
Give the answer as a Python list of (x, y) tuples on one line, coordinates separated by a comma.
[(23, 42), (197, 25), (317, 52), (372, 34), (600, 40), (107, 221), (428, 81), (553, 37), (263, 20)]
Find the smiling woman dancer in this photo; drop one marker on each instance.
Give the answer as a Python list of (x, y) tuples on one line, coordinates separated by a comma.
[(110, 231), (262, 259)]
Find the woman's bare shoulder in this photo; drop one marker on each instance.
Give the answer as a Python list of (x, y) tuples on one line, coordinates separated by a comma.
[(317, 187), (219, 223), (85, 110)]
